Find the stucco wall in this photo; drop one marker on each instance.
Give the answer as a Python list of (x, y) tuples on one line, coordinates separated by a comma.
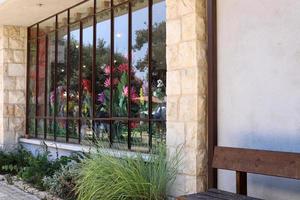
[(259, 84)]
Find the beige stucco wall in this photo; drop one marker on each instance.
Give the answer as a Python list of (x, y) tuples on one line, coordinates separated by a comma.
[(13, 44), (259, 85), (187, 92)]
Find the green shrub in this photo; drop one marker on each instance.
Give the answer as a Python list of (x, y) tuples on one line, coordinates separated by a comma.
[(39, 167), (62, 183), (13, 161), (104, 176)]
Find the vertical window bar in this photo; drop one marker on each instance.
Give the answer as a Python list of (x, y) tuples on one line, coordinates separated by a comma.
[(55, 81), (150, 71), (45, 93), (80, 77), (129, 70), (36, 79), (27, 81), (112, 21), (94, 67), (68, 74)]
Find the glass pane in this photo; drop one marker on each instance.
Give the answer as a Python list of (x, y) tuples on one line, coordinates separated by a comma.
[(120, 71), (86, 131), (50, 74), (62, 19), (102, 88), (41, 76), (120, 134), (31, 127), (159, 61), (47, 26), (158, 134), (82, 11), (116, 2), (139, 136), (140, 72), (40, 128), (73, 130), (33, 32), (50, 129), (61, 75), (86, 68), (32, 80), (74, 72), (60, 130), (101, 131), (102, 5)]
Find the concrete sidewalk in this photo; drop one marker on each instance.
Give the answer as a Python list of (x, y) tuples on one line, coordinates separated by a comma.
[(10, 192)]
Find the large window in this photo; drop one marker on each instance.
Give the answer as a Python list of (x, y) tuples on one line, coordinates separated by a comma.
[(97, 71)]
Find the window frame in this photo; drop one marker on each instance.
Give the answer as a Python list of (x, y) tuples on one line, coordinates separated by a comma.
[(111, 119)]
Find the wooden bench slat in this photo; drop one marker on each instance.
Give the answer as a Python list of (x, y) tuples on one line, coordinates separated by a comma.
[(272, 163), (214, 194)]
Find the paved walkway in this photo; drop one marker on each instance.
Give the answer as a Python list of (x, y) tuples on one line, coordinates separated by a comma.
[(9, 192)]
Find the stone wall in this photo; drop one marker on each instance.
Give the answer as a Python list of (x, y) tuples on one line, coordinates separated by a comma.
[(187, 91), (13, 44)]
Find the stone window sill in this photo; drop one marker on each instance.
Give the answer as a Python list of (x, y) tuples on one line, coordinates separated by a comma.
[(81, 148)]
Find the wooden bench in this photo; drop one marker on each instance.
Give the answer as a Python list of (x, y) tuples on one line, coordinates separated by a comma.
[(243, 161)]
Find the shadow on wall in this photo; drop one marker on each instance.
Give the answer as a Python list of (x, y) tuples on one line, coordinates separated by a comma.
[(267, 187)]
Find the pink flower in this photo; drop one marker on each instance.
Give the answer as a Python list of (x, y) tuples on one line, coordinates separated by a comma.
[(107, 70), (123, 68), (107, 82), (134, 96)]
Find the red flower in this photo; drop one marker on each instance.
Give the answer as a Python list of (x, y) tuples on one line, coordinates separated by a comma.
[(134, 96), (133, 125), (107, 70), (123, 68), (86, 85)]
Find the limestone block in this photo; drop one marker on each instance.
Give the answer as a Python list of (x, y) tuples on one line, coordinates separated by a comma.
[(16, 97), (9, 83), (19, 56), (187, 54), (173, 31), (172, 108), (16, 124), (9, 110), (175, 134), (188, 108), (189, 81), (173, 83), (8, 56), (12, 32), (20, 110), (187, 6), (21, 83), (172, 57), (16, 43), (172, 11), (189, 24), (16, 70)]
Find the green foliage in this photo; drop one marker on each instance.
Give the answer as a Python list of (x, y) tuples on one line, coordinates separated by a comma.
[(105, 176), (62, 183), (39, 167), (13, 161)]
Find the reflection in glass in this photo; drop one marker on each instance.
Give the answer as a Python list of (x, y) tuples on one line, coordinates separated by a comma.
[(31, 127), (120, 69), (102, 5), (86, 131), (32, 81), (158, 134), (40, 128), (101, 131), (50, 74), (159, 61), (86, 68), (41, 76), (81, 11), (102, 93), (61, 73), (139, 135), (47, 26), (139, 79), (73, 131), (50, 130), (120, 134), (74, 72), (60, 130)]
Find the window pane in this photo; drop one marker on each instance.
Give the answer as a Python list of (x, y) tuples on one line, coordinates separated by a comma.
[(62, 19), (159, 60), (47, 26), (120, 70), (103, 65), (41, 76), (139, 136), (116, 2), (74, 72), (81, 11), (102, 5), (158, 134), (101, 131), (31, 127), (50, 129), (32, 81), (73, 131), (61, 75), (40, 128), (86, 131), (50, 74), (60, 130), (86, 68), (120, 134), (140, 44)]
